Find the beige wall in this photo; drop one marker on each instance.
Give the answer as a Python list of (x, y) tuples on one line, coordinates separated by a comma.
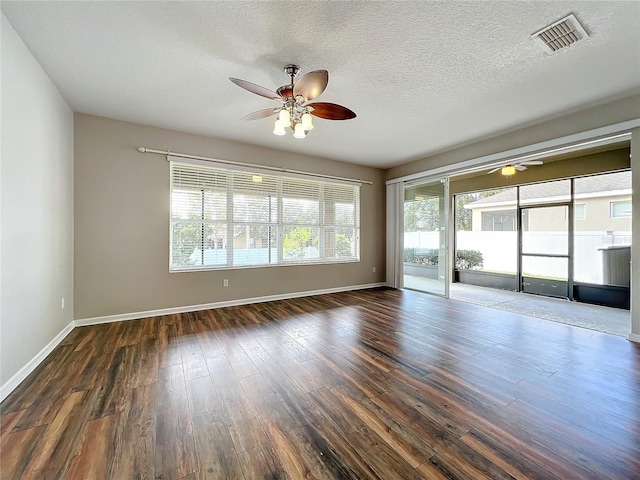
[(598, 215), (37, 209), (122, 224), (599, 116)]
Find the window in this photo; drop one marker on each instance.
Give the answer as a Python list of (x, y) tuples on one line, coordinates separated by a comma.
[(621, 209), (579, 211), (224, 218), (499, 221)]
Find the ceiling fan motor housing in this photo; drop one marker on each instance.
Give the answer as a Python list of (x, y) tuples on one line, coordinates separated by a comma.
[(285, 91)]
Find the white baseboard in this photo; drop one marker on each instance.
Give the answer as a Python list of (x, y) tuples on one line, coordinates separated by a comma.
[(226, 303), (24, 372), (634, 337)]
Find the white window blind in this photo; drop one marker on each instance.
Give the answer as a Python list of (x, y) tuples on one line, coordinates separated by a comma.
[(224, 218)]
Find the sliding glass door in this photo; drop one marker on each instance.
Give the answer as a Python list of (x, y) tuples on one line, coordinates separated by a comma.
[(426, 214)]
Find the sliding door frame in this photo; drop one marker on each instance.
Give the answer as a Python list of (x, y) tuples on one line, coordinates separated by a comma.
[(444, 239)]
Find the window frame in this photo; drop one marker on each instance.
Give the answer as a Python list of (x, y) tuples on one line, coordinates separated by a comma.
[(618, 202), (324, 233)]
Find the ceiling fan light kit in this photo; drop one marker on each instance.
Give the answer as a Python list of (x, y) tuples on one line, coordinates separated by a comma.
[(508, 170), (295, 111)]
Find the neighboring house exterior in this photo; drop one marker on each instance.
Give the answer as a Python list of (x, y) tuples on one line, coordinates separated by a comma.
[(602, 203)]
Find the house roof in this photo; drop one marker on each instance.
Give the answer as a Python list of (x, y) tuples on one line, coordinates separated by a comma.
[(618, 183), (421, 76)]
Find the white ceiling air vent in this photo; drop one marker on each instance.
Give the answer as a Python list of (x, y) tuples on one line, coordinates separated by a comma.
[(561, 34)]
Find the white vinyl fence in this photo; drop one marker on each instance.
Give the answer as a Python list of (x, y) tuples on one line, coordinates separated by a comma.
[(499, 250)]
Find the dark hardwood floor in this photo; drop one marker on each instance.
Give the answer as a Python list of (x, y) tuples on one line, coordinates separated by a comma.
[(380, 384)]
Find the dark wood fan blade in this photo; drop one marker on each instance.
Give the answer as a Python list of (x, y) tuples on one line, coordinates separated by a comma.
[(267, 112), (331, 111), (311, 85), (257, 89)]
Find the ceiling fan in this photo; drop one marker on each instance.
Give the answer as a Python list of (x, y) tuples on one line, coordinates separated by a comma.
[(510, 168), (294, 109)]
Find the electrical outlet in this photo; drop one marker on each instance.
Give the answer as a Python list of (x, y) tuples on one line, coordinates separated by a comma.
[(62, 303), (225, 282), (374, 269)]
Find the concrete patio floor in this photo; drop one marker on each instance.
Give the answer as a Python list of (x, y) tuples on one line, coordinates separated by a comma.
[(594, 317)]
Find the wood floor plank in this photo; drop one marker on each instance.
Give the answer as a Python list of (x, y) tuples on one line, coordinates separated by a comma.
[(135, 436), (192, 358), (298, 374), (294, 400), (96, 450), (7, 422), (148, 361), (60, 439), (505, 456), (325, 444), (174, 448), (372, 384), (244, 426), (382, 458), (202, 396), (452, 457), (431, 471), (604, 459), (131, 333), (149, 327), (96, 369), (583, 414), (409, 446), (347, 372), (519, 430), (624, 404), (412, 399), (221, 461), (236, 353), (323, 373), (308, 454), (118, 382), (207, 338), (266, 403), (17, 454), (37, 380), (263, 462), (169, 348), (52, 395), (85, 339)]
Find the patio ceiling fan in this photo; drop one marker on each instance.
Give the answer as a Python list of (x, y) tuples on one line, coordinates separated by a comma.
[(510, 168)]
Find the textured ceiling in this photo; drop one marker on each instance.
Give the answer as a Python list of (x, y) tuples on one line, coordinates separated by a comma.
[(422, 76)]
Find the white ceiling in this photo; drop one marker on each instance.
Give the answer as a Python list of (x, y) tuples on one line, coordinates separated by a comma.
[(422, 76)]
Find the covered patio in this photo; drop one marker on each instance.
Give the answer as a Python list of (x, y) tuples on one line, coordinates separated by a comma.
[(594, 317)]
